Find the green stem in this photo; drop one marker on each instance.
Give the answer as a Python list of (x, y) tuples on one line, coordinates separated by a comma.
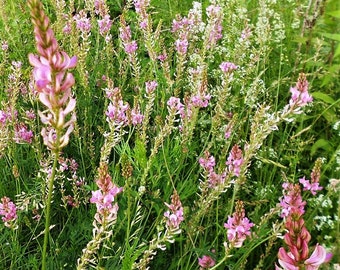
[(236, 187), (48, 204), (226, 256)]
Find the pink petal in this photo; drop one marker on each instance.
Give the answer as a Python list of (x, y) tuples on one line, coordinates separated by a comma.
[(45, 100), (68, 82), (70, 106), (317, 258), (285, 257), (34, 61), (73, 62), (288, 266)]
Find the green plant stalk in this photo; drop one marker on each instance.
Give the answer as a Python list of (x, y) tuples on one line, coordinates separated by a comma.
[(49, 198), (226, 256), (235, 190)]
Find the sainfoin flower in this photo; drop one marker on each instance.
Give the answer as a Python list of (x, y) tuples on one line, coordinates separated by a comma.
[(22, 134), (52, 81), (313, 185), (238, 226), (235, 160), (104, 25), (150, 86), (8, 211), (300, 96), (297, 236), (104, 197), (181, 46), (116, 113), (174, 216), (136, 116), (82, 22), (207, 162), (130, 46), (227, 67), (206, 262)]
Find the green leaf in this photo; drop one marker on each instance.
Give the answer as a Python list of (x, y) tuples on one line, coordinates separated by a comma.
[(337, 51), (332, 36), (335, 13), (324, 97), (323, 144)]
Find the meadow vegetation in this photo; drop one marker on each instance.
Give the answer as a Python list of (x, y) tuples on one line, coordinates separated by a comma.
[(153, 134)]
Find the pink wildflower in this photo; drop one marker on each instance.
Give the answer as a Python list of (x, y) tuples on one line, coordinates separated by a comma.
[(174, 216), (67, 29), (206, 262), (213, 11), (246, 33), (30, 114), (130, 47), (22, 134), (181, 46), (297, 236), (215, 179), (16, 64), (162, 57), (8, 210), (150, 86), (176, 25), (125, 33), (82, 22), (307, 185), (52, 81), (3, 117), (214, 14), (227, 67), (111, 93), (144, 24), (141, 5), (200, 101), (99, 7), (207, 162), (116, 112), (136, 117), (238, 226), (176, 105), (292, 200), (313, 184), (318, 257), (300, 96), (104, 198), (4, 46), (235, 160), (228, 130), (215, 34), (104, 25)]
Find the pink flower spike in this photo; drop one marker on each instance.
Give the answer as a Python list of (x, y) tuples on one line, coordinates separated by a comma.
[(8, 210), (174, 216)]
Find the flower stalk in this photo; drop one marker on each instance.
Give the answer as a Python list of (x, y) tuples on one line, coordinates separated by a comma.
[(53, 84)]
